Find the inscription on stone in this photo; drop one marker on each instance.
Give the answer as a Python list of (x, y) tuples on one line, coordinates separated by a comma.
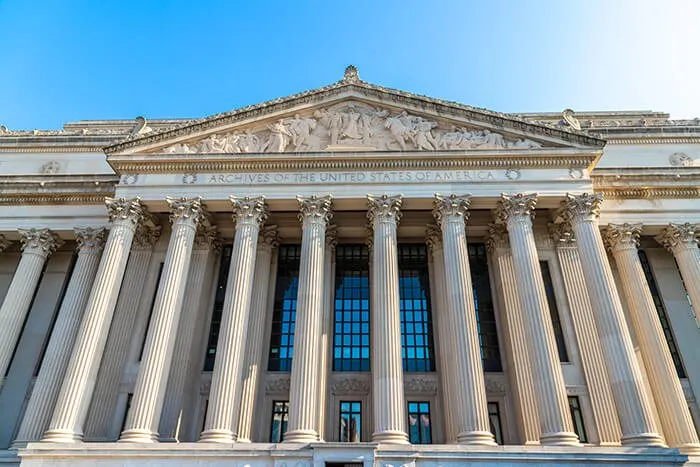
[(416, 176)]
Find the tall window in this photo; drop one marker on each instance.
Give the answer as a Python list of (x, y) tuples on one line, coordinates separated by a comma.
[(661, 311), (414, 303), (150, 312), (554, 311), (495, 421), (419, 431), (577, 418), (350, 421), (351, 309), (485, 315), (280, 413), (218, 308), (284, 309)]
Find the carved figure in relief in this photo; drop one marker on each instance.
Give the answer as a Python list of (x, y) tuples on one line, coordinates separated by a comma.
[(522, 143), (352, 124), (331, 120), (368, 121), (249, 142), (299, 129), (398, 129), (180, 149), (279, 137), (493, 140), (423, 135), (213, 144)]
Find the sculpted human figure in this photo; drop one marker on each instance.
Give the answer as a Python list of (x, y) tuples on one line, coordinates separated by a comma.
[(279, 137), (231, 141), (331, 120), (522, 143), (423, 136), (300, 129), (368, 120), (493, 140), (352, 124), (213, 144), (180, 148), (398, 128), (249, 142)]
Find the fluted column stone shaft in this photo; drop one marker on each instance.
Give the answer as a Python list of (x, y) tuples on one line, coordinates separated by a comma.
[(387, 367), (327, 325), (470, 409), (552, 403), (224, 398), (674, 414), (592, 358), (632, 402), (205, 245), (445, 338), (520, 371), (147, 402), (255, 342), (79, 382), (303, 407), (98, 426), (682, 241), (37, 246), (53, 367)]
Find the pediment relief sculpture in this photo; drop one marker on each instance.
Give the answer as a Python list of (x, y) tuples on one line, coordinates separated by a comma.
[(350, 125)]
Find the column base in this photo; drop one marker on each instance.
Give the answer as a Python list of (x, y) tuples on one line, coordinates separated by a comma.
[(564, 438), (217, 436), (390, 437), (478, 438), (138, 435), (62, 436), (301, 436), (691, 449), (644, 440), (19, 444)]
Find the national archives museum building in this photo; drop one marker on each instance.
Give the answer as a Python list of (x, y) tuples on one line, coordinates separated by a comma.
[(352, 276)]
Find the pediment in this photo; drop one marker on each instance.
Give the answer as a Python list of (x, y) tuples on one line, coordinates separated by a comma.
[(355, 116)]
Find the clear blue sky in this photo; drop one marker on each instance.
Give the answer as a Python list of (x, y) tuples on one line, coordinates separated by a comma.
[(69, 60)]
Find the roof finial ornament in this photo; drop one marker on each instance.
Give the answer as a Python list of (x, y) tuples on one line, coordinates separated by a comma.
[(351, 75), (570, 119)]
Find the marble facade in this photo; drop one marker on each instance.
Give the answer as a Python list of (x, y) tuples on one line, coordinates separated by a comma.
[(113, 235)]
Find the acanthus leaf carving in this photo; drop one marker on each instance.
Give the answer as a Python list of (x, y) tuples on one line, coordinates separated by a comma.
[(89, 238), (39, 241), (677, 237), (277, 385), (622, 236), (420, 385), (350, 125)]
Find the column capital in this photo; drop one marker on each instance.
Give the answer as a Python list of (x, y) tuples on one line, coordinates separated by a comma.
[(147, 234), (39, 241), (90, 239), (315, 209), (331, 237), (123, 210), (269, 237), (451, 206), (677, 237), (249, 210), (433, 237), (562, 234), (384, 208), (207, 237), (4, 243), (497, 238), (516, 208), (584, 207), (185, 210), (625, 236)]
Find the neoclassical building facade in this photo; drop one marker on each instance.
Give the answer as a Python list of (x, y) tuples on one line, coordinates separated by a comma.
[(352, 275)]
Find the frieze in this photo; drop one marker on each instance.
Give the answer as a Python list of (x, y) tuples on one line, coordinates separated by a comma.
[(277, 385), (350, 386), (352, 125), (420, 385), (495, 385)]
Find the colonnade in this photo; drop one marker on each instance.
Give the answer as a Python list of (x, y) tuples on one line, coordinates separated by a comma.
[(86, 316)]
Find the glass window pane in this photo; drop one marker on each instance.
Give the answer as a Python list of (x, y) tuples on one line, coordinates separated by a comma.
[(483, 302), (577, 418), (350, 422), (280, 411), (284, 309), (554, 311), (220, 293), (419, 429), (495, 421)]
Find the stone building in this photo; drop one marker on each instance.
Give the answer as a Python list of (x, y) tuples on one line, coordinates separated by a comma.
[(352, 275)]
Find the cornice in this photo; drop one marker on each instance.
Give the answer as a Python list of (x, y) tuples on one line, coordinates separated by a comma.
[(36, 199), (650, 193), (52, 149), (364, 89), (654, 140), (56, 190), (182, 163)]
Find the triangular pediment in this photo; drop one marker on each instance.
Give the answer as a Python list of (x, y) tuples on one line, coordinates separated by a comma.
[(352, 115)]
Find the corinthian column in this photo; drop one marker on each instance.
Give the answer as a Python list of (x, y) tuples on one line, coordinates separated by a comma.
[(469, 406), (387, 367), (252, 367), (37, 246), (98, 426), (303, 407), (516, 212), (41, 404), (328, 297), (224, 398), (74, 399), (206, 243), (520, 371), (682, 241), (592, 358), (445, 342), (147, 403), (677, 424), (633, 408)]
